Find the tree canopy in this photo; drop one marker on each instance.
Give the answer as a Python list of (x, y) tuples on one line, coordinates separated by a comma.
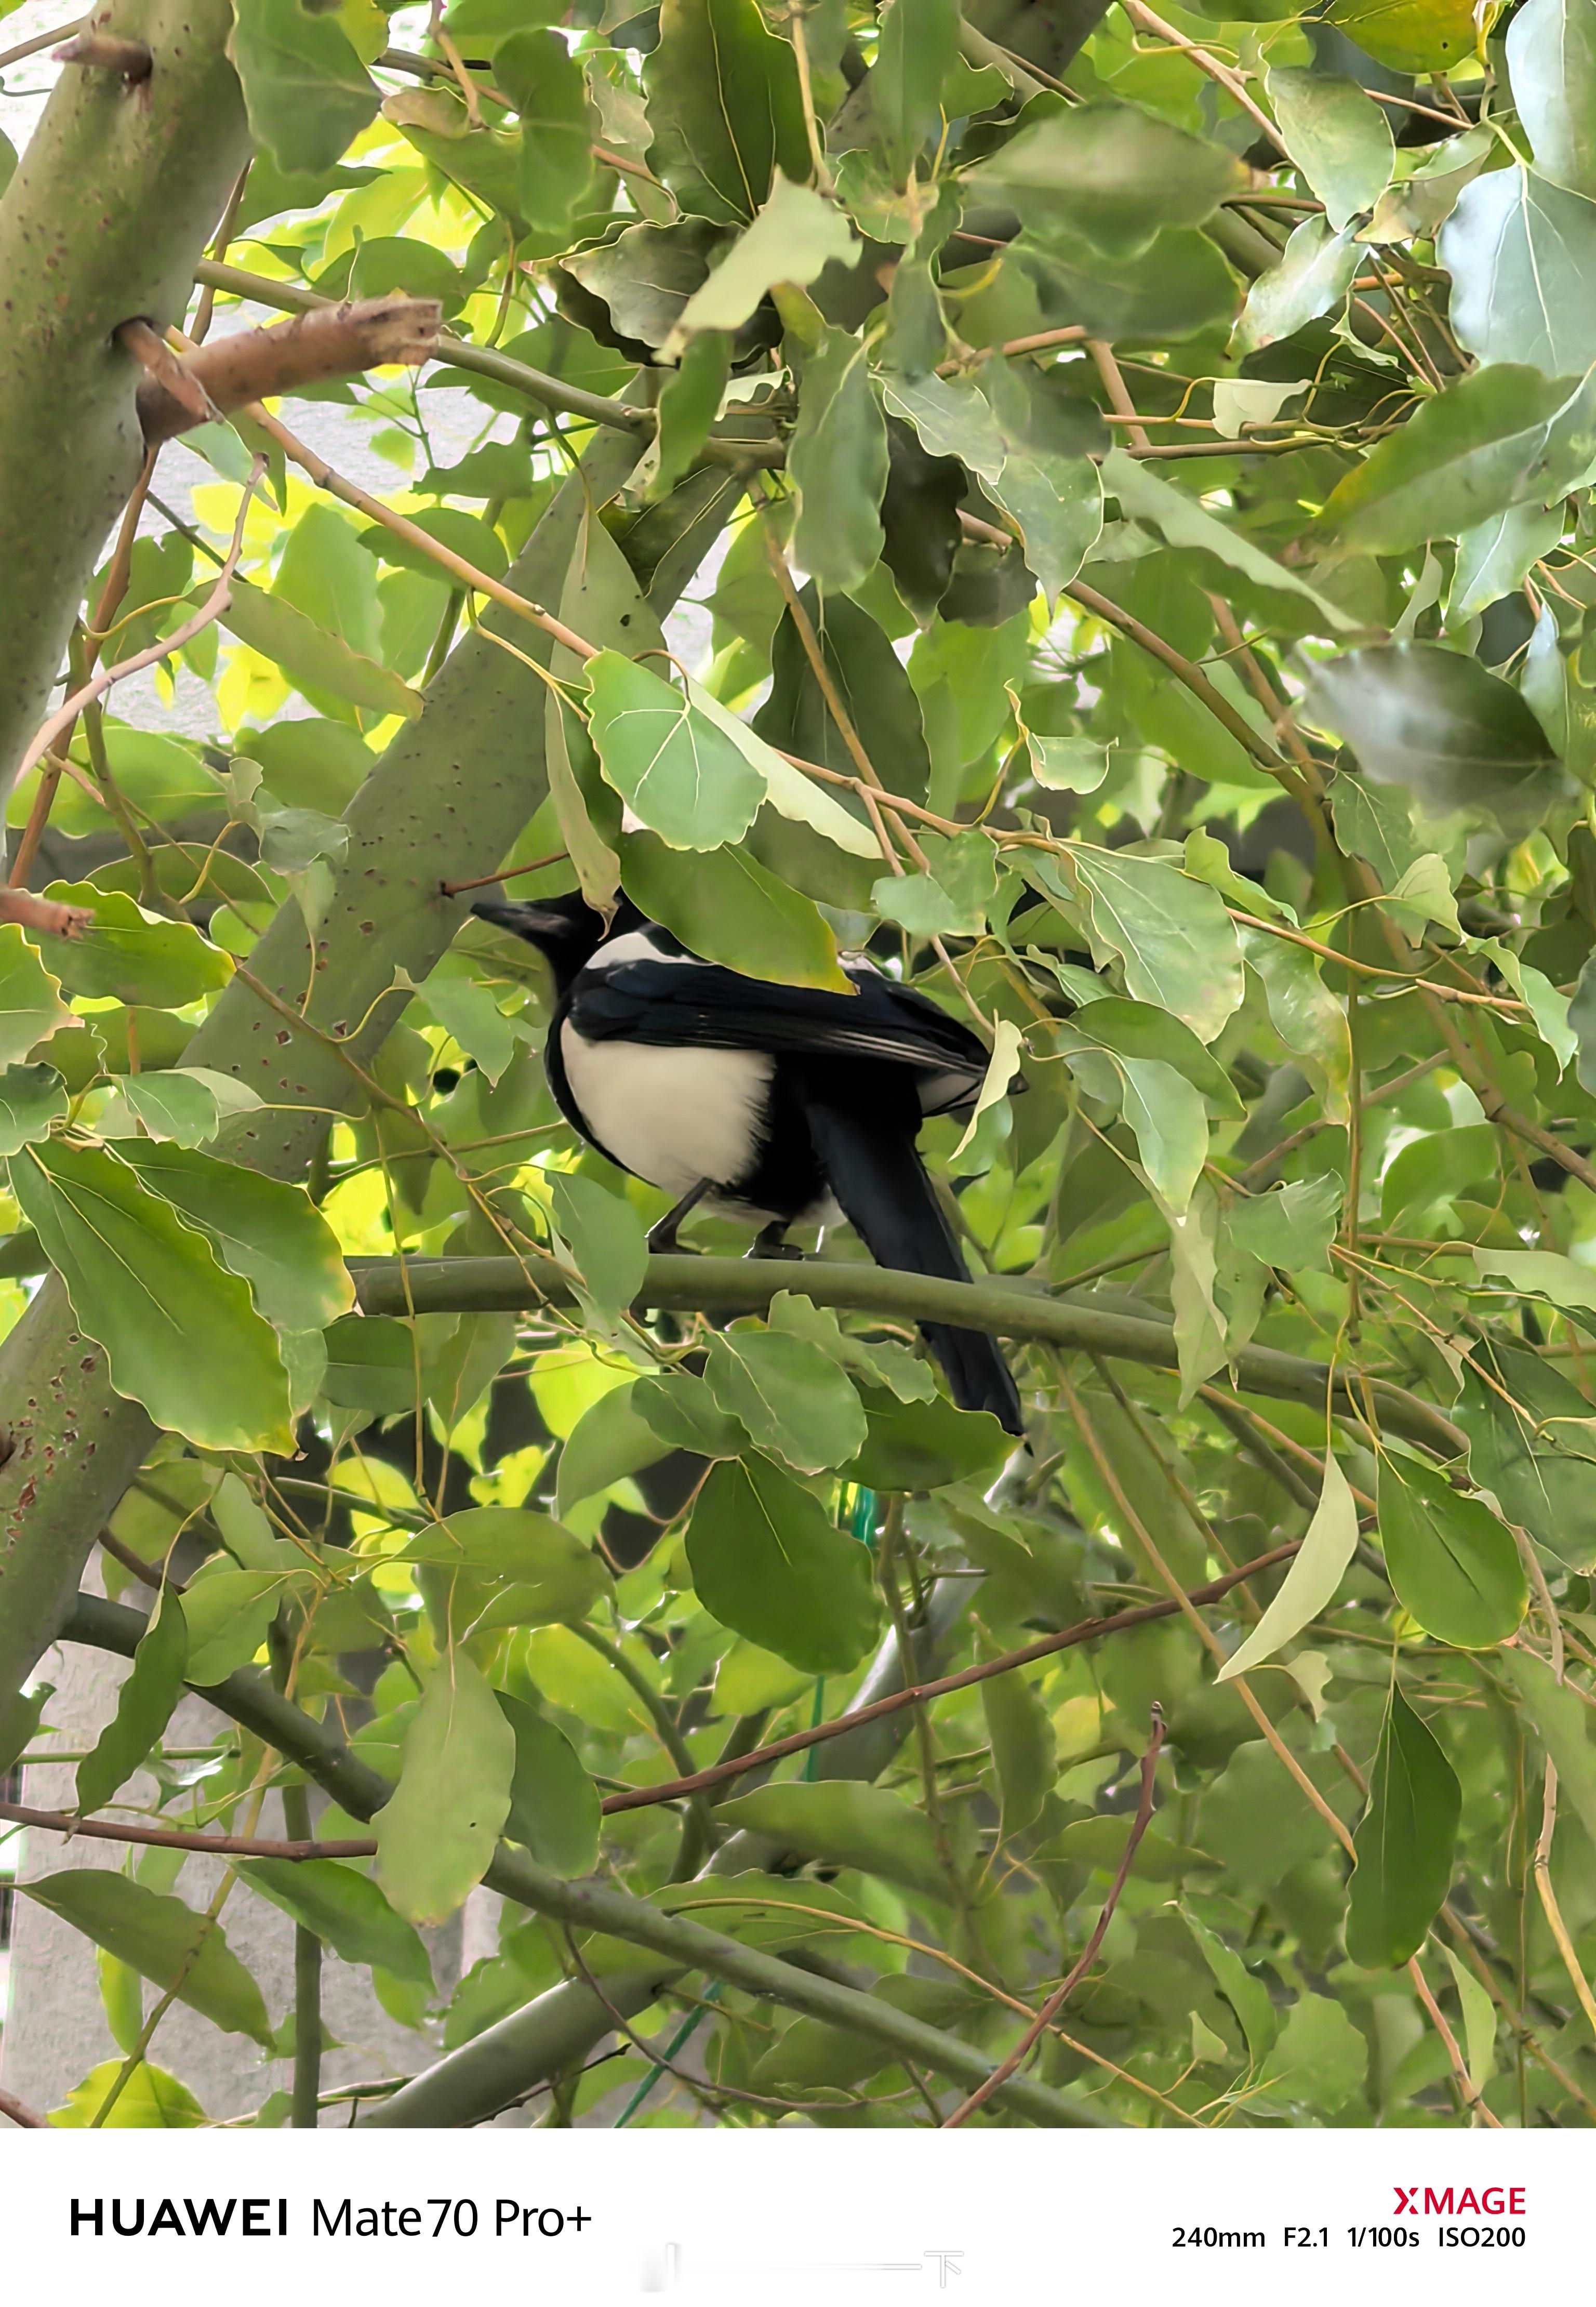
[(1093, 507)]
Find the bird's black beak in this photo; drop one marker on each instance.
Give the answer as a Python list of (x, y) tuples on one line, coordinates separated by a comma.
[(540, 925)]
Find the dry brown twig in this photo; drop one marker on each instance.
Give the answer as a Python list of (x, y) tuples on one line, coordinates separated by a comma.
[(258, 364)]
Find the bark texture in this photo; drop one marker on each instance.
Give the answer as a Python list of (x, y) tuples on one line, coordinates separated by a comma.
[(118, 191)]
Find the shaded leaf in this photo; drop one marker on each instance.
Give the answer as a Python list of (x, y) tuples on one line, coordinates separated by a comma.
[(183, 1952), (1404, 1843), (305, 89), (553, 1803), (843, 1824), (1339, 138), (769, 1562), (837, 459), (31, 1007), (344, 1907), (144, 1706), (1112, 171), (437, 1833), (724, 907), (127, 955), (1454, 1565), (31, 1097), (792, 1398), (263, 1229), (179, 1332), (1439, 724), (725, 107)]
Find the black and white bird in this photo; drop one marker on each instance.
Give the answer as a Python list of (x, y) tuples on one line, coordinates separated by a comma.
[(780, 1104)]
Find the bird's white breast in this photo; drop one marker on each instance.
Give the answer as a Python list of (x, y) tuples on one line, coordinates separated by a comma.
[(673, 1117)]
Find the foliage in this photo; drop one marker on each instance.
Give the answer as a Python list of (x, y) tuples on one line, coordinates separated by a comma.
[(1164, 474)]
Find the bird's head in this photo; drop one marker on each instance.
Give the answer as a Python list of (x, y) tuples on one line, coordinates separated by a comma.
[(566, 930)]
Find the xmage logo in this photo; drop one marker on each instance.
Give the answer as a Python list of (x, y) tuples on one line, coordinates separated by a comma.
[(1459, 2202)]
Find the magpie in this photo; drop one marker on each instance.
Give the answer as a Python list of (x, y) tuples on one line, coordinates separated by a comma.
[(779, 1104)]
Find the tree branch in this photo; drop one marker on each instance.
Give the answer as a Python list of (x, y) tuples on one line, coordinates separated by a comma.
[(746, 1285), (18, 2110), (164, 1837), (688, 1945), (258, 364)]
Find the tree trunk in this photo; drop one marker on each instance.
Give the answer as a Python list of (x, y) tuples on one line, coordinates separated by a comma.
[(118, 191)]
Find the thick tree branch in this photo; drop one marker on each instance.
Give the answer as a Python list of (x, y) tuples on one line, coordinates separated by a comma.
[(113, 202), (746, 1285), (258, 364)]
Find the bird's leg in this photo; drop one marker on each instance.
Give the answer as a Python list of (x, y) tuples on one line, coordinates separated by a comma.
[(662, 1238), (771, 1242)]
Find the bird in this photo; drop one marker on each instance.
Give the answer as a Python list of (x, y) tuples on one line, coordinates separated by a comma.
[(777, 1104)]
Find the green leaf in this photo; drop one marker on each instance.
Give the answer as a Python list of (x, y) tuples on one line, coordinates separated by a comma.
[(31, 1007), (1494, 558), (185, 1105), (544, 80), (1480, 2020), (770, 1564), (304, 90), (608, 1441), (144, 1706), (1415, 36), (924, 1443), (1531, 1452), (128, 954), (688, 404), (680, 1411), (1454, 1565), (1112, 171), (1311, 1583), (1339, 138), (792, 1398), (1172, 934), (20, 1718), (31, 1097), (789, 792), (1291, 1227), (882, 1363), (843, 1824), (437, 1833), (553, 1803), (226, 1614), (1311, 278), (916, 50), (1404, 1843), (1496, 438), (1020, 1731), (1136, 1029), (150, 2100), (1173, 290), (1181, 522), (541, 1573), (791, 240), (180, 1950), (345, 1909), (724, 106), (264, 1230), (1424, 718), (1056, 500), (724, 907), (1542, 1274), (837, 459), (179, 1332), (1557, 1714), (1551, 61), (319, 663), (1303, 1011), (604, 1236), (1319, 2062), (678, 772), (951, 898), (1521, 252), (471, 1017)]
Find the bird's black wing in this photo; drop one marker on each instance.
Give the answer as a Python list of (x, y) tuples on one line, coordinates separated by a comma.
[(678, 1004)]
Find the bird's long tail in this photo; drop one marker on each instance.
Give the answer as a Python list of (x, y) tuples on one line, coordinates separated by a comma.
[(879, 1182)]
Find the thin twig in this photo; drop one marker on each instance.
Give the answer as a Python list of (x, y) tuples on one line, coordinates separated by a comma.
[(1061, 1993), (171, 1837), (14, 2109), (215, 606)]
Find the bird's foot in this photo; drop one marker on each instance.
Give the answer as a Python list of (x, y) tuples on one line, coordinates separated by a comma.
[(772, 1243), (662, 1243)]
